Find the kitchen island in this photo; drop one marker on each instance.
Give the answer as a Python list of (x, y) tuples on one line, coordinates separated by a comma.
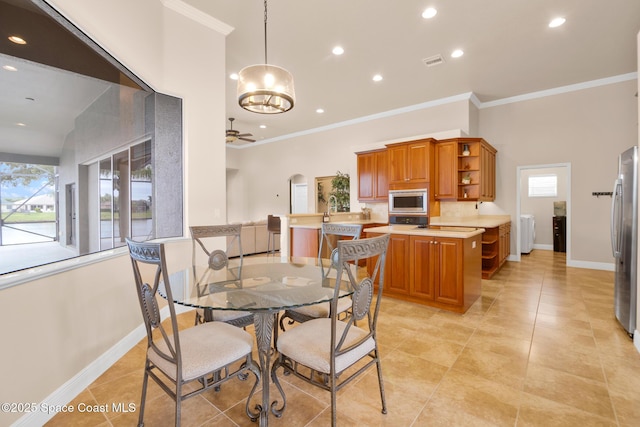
[(496, 241), (438, 266), (305, 230)]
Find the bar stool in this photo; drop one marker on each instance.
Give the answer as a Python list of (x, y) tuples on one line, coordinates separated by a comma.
[(273, 227)]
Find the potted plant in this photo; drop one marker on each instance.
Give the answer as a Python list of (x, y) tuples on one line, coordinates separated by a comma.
[(340, 190)]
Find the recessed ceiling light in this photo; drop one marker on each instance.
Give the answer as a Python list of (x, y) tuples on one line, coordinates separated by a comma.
[(457, 53), (20, 124), (377, 78), (9, 68), (17, 40), (233, 76), (338, 50), (263, 126), (429, 13), (556, 22), (319, 111)]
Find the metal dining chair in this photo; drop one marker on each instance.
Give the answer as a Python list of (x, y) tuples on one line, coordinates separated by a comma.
[(328, 258), (321, 351), (185, 362), (218, 259)]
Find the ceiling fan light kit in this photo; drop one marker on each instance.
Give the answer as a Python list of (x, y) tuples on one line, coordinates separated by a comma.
[(263, 88), (233, 135)]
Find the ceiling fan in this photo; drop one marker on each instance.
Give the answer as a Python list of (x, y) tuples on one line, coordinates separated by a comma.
[(233, 135)]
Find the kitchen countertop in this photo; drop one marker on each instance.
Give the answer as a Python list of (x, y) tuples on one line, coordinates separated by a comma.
[(318, 225), (486, 221), (432, 231)]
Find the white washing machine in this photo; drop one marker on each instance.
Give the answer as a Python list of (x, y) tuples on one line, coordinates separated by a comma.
[(527, 233)]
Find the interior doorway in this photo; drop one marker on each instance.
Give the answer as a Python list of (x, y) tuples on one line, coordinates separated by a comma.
[(543, 210), (298, 194)]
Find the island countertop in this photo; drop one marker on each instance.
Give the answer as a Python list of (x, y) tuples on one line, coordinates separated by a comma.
[(432, 231), (318, 225), (484, 221)]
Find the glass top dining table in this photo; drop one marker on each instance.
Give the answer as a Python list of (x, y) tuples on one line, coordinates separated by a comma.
[(263, 286)]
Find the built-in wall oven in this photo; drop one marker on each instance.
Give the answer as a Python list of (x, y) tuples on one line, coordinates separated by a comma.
[(409, 206)]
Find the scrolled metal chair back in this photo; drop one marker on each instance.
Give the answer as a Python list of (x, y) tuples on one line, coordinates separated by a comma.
[(153, 254), (340, 231), (362, 285), (217, 259)]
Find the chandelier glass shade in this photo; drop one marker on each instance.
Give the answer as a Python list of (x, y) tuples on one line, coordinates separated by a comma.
[(265, 89)]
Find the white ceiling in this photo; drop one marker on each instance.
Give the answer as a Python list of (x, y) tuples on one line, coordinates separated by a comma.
[(47, 100), (509, 50)]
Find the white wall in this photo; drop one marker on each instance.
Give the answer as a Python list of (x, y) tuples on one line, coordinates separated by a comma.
[(55, 327), (586, 128), (264, 169)]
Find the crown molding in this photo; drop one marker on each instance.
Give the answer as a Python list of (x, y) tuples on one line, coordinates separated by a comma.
[(198, 16)]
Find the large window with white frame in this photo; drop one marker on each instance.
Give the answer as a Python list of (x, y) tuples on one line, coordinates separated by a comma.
[(112, 140)]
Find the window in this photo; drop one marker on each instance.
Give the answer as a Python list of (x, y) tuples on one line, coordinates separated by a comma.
[(543, 185), (125, 196), (113, 145), (28, 203)]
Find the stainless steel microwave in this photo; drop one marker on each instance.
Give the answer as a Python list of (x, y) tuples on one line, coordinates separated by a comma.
[(413, 202)]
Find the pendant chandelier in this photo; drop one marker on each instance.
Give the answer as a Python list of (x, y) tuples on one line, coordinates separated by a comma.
[(263, 88)]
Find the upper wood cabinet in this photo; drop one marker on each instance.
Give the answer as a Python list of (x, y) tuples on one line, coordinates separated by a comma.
[(465, 169), (410, 162), (487, 172), (446, 166), (373, 185)]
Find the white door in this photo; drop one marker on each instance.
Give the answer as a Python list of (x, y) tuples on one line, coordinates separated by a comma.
[(299, 195)]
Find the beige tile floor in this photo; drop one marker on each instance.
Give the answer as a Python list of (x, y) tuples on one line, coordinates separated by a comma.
[(540, 348)]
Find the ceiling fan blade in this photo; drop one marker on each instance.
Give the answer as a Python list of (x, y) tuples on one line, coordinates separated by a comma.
[(247, 139), (244, 134)]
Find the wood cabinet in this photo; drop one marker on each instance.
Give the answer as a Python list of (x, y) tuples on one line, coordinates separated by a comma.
[(487, 172), (496, 247), (505, 242), (446, 166), (396, 278), (373, 184), (436, 270), (410, 162), (304, 242), (466, 170), (442, 272)]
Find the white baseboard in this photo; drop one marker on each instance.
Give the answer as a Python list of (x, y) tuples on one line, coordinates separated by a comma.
[(542, 247), (591, 265), (69, 390), (606, 266), (636, 340)]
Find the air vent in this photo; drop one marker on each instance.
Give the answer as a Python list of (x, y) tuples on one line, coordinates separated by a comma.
[(433, 60)]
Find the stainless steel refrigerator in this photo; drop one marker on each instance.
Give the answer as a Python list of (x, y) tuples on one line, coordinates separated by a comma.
[(624, 238)]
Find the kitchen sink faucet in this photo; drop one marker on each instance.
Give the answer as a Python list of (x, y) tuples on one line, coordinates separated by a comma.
[(335, 204)]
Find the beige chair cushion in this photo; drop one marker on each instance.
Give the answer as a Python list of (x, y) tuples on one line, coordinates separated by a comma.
[(322, 309), (309, 344), (205, 348)]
